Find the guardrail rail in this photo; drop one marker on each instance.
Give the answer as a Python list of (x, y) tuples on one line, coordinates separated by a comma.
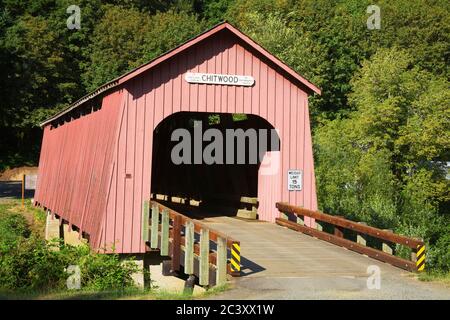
[(293, 218), (200, 250)]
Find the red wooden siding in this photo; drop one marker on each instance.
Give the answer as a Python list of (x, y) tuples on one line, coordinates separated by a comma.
[(75, 166), (95, 171)]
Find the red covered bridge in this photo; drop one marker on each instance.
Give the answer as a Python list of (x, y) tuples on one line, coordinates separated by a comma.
[(103, 158)]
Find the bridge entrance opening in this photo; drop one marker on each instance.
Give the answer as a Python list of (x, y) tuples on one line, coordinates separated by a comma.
[(208, 164)]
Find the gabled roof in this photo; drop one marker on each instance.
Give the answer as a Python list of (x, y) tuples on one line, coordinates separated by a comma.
[(139, 70)]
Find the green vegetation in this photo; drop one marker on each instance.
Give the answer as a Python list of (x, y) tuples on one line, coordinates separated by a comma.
[(28, 263), (436, 277), (382, 163), (381, 126), (32, 268)]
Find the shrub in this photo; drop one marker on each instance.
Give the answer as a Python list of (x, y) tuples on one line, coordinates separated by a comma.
[(105, 271), (12, 228), (30, 263)]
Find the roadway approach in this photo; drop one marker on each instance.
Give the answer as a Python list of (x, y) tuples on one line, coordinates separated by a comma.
[(279, 263)]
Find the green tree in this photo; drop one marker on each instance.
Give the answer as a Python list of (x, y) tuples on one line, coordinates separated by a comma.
[(384, 162), (126, 38)]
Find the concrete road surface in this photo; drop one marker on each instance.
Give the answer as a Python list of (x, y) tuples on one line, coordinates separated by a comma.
[(279, 263)]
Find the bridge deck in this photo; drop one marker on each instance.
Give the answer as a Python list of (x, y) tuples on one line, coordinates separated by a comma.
[(271, 250)]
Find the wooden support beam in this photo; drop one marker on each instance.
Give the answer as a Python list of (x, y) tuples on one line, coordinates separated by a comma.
[(339, 231), (165, 233), (154, 228), (249, 200), (221, 277), (204, 257), (361, 238), (145, 220), (387, 246), (176, 243), (189, 248)]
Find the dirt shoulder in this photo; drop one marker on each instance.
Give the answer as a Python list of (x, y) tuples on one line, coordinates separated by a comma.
[(16, 174)]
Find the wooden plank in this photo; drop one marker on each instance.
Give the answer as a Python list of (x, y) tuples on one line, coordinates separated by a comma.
[(204, 257), (176, 243), (196, 271), (189, 248), (145, 220), (165, 233), (196, 246), (249, 200), (373, 253), (351, 225), (154, 228), (221, 261)]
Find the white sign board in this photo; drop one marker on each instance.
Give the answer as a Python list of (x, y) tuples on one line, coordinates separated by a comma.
[(224, 79), (295, 180), (30, 181)]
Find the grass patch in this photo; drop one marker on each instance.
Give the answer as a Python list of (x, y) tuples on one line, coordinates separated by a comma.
[(126, 294), (436, 277)]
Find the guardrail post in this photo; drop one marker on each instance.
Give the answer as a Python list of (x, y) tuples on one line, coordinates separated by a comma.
[(154, 227), (361, 237), (339, 231), (387, 246), (418, 256), (235, 261), (189, 248), (204, 257), (165, 233), (221, 273), (145, 220), (176, 243)]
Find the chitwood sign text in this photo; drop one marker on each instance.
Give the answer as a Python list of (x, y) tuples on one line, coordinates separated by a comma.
[(224, 79)]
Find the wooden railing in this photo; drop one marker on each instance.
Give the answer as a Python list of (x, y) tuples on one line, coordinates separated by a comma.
[(200, 250), (357, 239)]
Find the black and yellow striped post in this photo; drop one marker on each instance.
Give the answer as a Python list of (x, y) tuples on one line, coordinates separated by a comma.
[(235, 261), (420, 257)]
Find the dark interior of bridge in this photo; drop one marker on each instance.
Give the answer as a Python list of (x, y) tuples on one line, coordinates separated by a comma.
[(207, 189)]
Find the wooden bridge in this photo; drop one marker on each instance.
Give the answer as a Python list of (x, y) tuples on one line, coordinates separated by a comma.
[(211, 249)]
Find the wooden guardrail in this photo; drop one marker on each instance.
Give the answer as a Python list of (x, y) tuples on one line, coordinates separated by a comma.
[(362, 231), (201, 251)]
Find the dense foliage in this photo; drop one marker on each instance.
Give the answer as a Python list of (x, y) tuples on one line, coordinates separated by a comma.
[(381, 126), (29, 263)]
